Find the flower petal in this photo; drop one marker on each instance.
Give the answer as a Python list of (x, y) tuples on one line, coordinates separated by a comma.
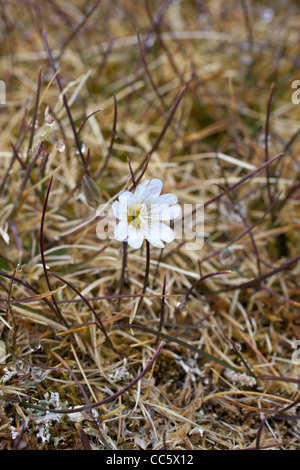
[(154, 236), (154, 188), (164, 212), (121, 231), (167, 198), (150, 192), (135, 237), (125, 198), (140, 191), (167, 234), (174, 212)]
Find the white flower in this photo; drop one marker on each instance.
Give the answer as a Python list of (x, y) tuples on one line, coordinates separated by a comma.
[(141, 215)]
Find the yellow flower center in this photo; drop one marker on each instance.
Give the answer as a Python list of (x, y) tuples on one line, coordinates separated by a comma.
[(134, 215)]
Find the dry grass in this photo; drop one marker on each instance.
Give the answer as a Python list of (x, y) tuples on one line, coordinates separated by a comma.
[(214, 371)]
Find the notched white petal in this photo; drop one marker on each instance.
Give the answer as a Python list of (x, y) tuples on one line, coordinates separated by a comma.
[(155, 242), (154, 188), (125, 198), (175, 212), (165, 212), (121, 231), (154, 235), (135, 238), (167, 198), (167, 234)]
